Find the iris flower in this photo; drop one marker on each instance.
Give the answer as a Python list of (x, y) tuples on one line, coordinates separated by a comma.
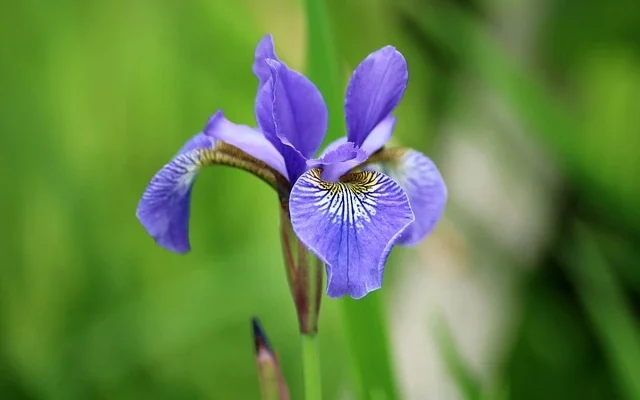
[(350, 205)]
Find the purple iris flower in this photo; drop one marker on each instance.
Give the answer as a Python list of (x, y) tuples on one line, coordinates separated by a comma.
[(350, 205)]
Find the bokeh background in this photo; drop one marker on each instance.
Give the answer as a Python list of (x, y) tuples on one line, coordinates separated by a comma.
[(528, 289)]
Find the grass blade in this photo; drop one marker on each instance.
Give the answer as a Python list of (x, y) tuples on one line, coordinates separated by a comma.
[(465, 381), (603, 298), (368, 340), (364, 319)]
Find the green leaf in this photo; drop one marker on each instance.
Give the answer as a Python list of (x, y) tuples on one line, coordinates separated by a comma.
[(603, 298), (364, 319), (367, 338), (468, 385)]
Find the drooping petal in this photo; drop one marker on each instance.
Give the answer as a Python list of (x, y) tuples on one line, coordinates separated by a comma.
[(379, 136), (247, 139), (339, 161), (163, 209), (424, 185), (265, 49), (350, 225), (375, 89), (198, 141)]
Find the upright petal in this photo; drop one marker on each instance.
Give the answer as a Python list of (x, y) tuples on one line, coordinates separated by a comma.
[(350, 225), (247, 139), (339, 161), (334, 145), (375, 89), (424, 185), (379, 136), (264, 50), (164, 207), (294, 160), (298, 111)]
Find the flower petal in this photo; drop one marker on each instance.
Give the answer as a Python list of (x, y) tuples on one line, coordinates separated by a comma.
[(289, 109), (334, 145), (375, 89), (339, 161), (265, 49), (295, 162), (247, 139), (298, 112), (198, 141), (424, 185), (379, 136), (164, 207), (350, 225)]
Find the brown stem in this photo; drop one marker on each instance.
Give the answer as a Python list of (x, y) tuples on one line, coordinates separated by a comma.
[(304, 273)]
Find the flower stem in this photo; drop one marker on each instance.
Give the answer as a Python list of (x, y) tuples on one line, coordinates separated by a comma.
[(311, 367), (304, 273), (310, 353)]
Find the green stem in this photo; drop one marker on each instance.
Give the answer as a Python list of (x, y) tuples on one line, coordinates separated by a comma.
[(311, 367), (310, 353), (304, 272)]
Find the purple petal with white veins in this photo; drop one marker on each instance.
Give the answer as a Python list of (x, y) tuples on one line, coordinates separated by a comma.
[(339, 161), (198, 141), (247, 139), (424, 185), (379, 136), (164, 207), (351, 226), (375, 89)]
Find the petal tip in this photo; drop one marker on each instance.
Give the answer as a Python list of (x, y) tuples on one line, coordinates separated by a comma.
[(164, 207), (389, 52), (336, 290), (375, 89), (264, 49), (213, 121), (389, 49), (178, 248), (268, 37), (176, 241), (265, 45)]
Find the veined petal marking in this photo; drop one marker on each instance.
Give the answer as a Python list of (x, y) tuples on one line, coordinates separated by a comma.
[(422, 182), (350, 225), (353, 201), (164, 208)]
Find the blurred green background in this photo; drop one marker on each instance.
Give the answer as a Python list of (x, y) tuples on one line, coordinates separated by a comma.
[(528, 289)]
